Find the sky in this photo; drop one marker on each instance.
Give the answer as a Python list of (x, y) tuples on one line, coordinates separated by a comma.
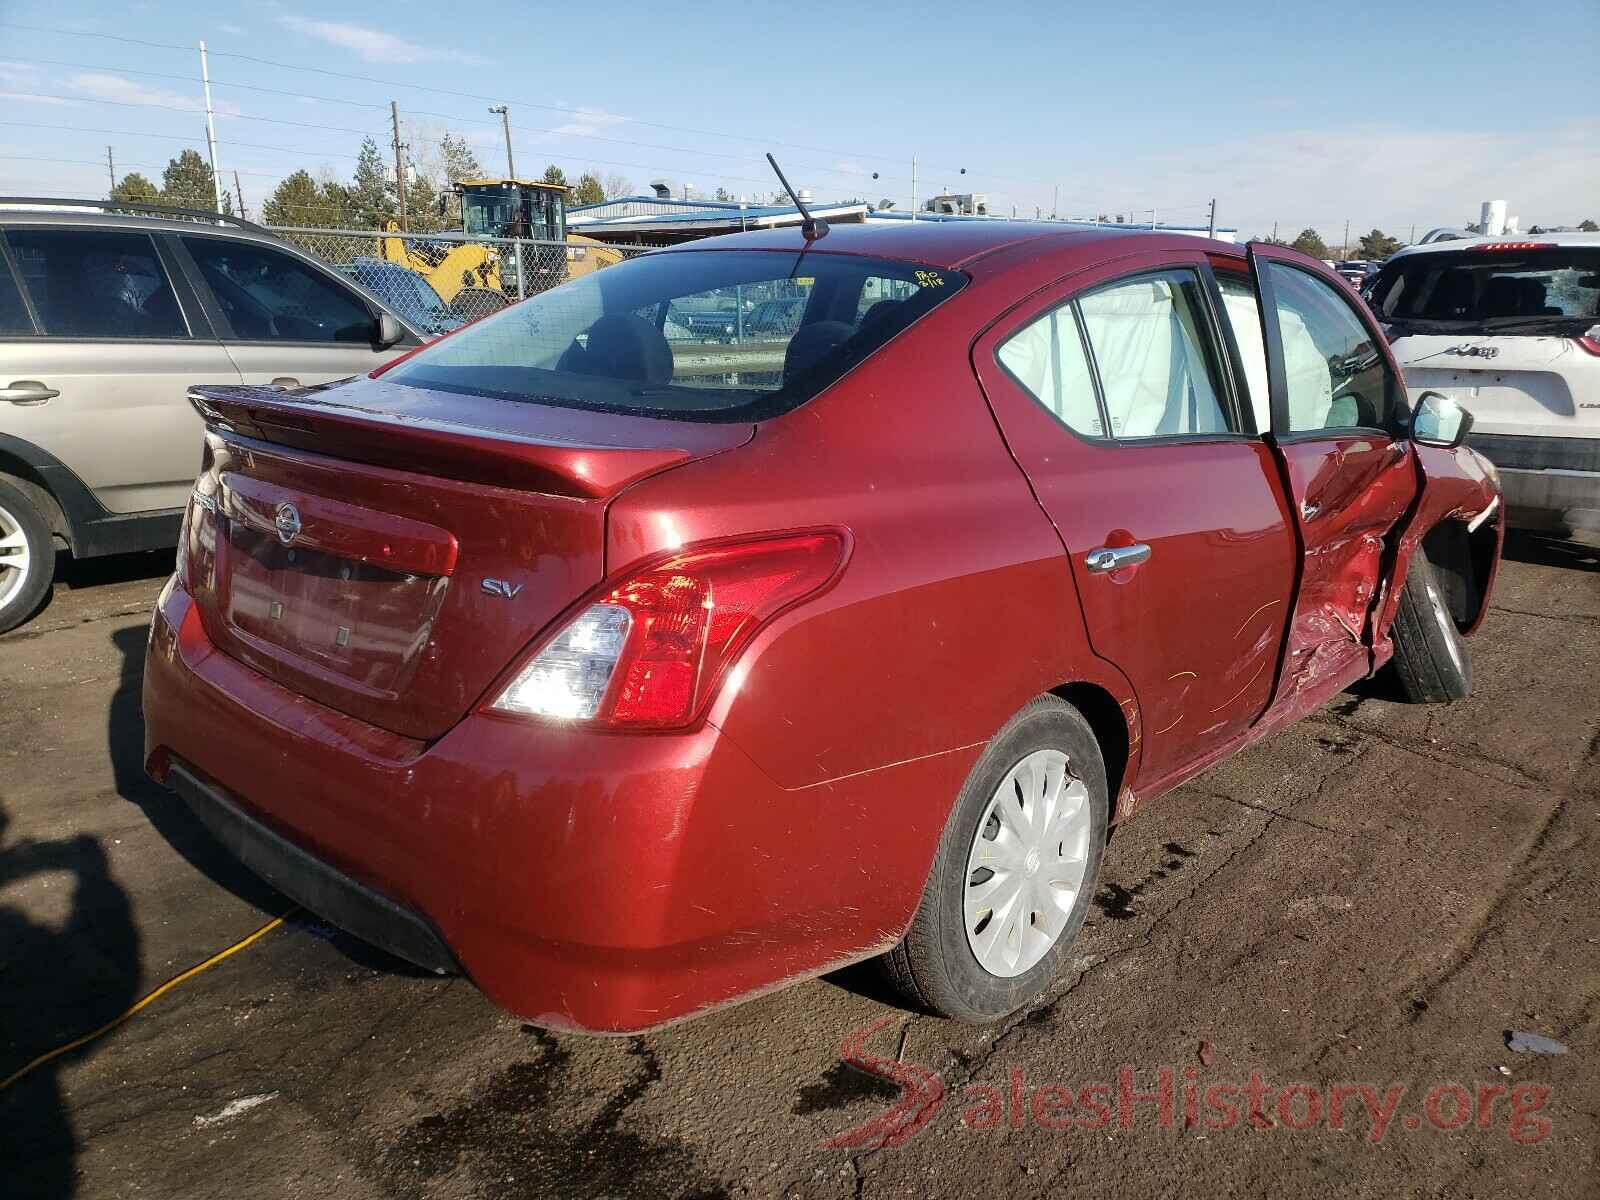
[(1290, 115)]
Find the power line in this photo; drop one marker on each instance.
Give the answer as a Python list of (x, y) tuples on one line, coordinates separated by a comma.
[(184, 109), (479, 97)]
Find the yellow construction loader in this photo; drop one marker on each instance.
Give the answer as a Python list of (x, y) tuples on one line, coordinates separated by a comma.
[(500, 208)]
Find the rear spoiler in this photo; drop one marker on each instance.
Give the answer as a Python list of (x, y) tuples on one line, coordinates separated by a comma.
[(431, 445)]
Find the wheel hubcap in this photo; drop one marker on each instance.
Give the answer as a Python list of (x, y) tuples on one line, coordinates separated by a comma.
[(1026, 865), (15, 557)]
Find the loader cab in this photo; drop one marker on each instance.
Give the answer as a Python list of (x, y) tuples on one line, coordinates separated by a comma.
[(513, 208)]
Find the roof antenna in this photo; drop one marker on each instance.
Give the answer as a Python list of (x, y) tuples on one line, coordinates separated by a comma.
[(814, 228)]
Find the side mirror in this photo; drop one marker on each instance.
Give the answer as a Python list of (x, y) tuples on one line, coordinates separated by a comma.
[(1438, 420), (388, 331)]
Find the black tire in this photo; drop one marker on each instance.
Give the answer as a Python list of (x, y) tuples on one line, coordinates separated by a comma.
[(19, 516), (935, 967), (1430, 658)]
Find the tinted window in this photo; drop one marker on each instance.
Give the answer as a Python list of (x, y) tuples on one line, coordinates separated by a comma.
[(13, 313), (677, 334), (267, 295), (1047, 357), (1152, 354), (1509, 289), (93, 283), (1336, 376)]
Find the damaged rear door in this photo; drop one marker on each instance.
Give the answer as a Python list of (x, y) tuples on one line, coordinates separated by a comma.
[(1337, 408)]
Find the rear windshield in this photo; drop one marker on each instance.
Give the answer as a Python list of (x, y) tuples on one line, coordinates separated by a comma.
[(1532, 291), (695, 335)]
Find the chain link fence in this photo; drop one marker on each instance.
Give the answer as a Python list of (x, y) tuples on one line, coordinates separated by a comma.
[(440, 281)]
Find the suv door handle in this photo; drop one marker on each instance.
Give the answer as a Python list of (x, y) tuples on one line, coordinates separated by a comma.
[(1114, 558), (28, 391)]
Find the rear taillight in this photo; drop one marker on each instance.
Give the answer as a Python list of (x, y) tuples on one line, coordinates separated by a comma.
[(648, 652), (1495, 247), (1590, 340)]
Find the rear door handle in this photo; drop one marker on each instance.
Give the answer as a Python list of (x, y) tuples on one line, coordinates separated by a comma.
[(28, 391), (1114, 558)]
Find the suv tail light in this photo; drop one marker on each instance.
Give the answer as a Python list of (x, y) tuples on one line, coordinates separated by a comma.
[(649, 651)]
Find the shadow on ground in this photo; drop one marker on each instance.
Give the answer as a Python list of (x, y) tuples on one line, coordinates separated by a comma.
[(57, 982), (1546, 551)]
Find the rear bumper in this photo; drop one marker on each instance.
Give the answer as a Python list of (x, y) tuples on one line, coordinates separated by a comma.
[(359, 910), (1548, 482), (583, 880)]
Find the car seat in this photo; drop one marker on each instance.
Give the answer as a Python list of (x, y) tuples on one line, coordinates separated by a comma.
[(811, 346), (622, 346)]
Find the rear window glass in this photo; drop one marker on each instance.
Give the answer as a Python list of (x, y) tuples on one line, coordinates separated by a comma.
[(1492, 289), (694, 335), (96, 284)]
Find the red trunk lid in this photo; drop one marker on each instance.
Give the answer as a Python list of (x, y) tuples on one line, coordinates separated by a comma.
[(388, 550)]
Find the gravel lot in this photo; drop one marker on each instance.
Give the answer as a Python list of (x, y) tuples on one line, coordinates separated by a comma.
[(1374, 897)]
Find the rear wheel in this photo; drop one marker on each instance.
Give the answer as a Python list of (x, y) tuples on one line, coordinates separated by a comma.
[(1014, 873), (27, 558), (1429, 656)]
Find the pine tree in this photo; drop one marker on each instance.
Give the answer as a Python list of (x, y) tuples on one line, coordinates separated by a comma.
[(1308, 242), (187, 183), (422, 205), (301, 202), (554, 174), (1378, 245), (589, 189), (371, 195), (135, 188)]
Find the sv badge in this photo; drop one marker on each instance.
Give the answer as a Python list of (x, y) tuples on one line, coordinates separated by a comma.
[(503, 588)]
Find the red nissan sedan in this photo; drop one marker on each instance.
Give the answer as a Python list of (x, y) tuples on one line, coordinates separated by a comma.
[(634, 674)]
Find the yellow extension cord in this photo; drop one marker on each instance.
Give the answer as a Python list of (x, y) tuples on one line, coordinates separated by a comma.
[(151, 998)]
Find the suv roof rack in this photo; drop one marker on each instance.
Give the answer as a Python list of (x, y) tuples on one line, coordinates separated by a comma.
[(135, 207)]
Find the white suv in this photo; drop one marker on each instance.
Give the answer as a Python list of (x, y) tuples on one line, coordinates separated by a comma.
[(1510, 328)]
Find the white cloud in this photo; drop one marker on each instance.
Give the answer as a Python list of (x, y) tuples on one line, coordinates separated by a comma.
[(235, 30), (1371, 176), (100, 86), (589, 121), (30, 98), (373, 45)]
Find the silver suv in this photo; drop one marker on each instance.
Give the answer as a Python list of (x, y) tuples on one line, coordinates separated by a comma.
[(107, 317)]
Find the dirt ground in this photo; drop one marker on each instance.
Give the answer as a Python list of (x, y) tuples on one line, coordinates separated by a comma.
[(1373, 898)]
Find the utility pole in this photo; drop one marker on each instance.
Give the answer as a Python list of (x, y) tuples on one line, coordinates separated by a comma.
[(1055, 203), (504, 114), (913, 187), (1345, 250), (111, 169), (238, 194), (1412, 241), (1274, 231), (211, 131), (399, 163), (1211, 221)]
